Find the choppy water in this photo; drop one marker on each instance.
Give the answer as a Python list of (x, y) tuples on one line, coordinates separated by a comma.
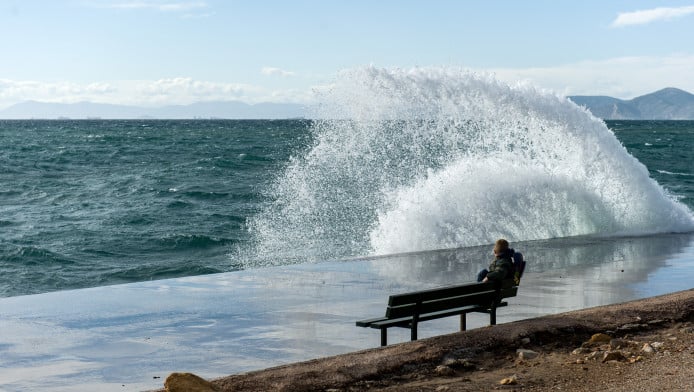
[(425, 160), (88, 203)]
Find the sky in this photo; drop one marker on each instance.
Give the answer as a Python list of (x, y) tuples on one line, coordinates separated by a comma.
[(161, 52)]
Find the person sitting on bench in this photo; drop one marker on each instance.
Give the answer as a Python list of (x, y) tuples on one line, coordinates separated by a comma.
[(502, 266)]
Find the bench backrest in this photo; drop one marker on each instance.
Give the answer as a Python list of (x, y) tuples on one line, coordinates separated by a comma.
[(444, 298)]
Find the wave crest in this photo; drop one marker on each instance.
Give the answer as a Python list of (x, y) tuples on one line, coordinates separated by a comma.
[(407, 160)]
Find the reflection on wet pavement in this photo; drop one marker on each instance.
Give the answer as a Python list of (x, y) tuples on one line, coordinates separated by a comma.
[(123, 337)]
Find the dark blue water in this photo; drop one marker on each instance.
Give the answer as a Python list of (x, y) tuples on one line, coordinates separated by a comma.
[(90, 203), (666, 148)]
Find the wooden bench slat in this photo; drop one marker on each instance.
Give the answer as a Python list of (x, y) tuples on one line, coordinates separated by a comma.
[(409, 309), (383, 322), (368, 322), (441, 292), (393, 322), (485, 298), (453, 312)]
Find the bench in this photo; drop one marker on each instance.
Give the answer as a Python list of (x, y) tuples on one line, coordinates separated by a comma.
[(409, 309)]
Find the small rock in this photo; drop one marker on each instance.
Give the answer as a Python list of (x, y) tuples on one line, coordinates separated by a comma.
[(648, 349), (525, 341), (631, 327), (599, 338), (594, 355), (450, 362), (458, 363), (187, 382), (513, 380), (656, 322), (443, 388), (636, 359), (613, 356), (687, 330), (657, 345), (467, 365), (445, 371), (580, 361), (581, 350), (524, 354), (618, 343)]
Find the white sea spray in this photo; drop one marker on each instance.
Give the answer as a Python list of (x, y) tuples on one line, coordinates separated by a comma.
[(429, 158)]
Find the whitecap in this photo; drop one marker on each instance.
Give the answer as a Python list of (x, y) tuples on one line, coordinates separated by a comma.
[(427, 158)]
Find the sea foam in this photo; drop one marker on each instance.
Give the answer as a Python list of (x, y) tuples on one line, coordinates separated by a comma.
[(430, 158)]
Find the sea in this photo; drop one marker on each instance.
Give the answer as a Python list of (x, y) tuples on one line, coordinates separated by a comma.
[(391, 162)]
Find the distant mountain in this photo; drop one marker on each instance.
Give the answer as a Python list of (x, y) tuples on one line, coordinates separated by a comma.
[(225, 110), (666, 104)]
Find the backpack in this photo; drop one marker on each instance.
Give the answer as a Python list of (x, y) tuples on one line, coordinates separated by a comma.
[(518, 267)]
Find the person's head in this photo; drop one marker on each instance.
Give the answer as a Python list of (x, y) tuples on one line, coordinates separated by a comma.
[(500, 246)]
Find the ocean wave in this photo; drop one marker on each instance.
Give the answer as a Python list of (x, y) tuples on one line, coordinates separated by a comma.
[(153, 272), (32, 256), (179, 204), (675, 173), (206, 195), (409, 160), (187, 242)]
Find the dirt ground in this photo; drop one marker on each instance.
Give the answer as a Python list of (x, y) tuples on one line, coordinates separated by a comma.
[(645, 345), (557, 367)]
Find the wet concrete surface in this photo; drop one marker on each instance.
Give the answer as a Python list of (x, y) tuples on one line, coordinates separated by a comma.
[(130, 337)]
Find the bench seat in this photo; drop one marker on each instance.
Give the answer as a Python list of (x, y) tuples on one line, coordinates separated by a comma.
[(409, 309), (405, 322)]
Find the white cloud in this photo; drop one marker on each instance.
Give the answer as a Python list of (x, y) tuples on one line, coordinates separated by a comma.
[(173, 91), (652, 15), (188, 90), (198, 16), (165, 6), (273, 71), (18, 91), (622, 77)]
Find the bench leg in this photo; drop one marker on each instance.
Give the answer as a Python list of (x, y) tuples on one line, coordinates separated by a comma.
[(492, 316), (384, 337), (463, 322)]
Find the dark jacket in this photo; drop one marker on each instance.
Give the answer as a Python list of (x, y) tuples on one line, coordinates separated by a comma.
[(501, 267)]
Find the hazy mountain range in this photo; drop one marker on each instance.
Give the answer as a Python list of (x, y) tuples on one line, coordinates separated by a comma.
[(81, 110), (666, 104)]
